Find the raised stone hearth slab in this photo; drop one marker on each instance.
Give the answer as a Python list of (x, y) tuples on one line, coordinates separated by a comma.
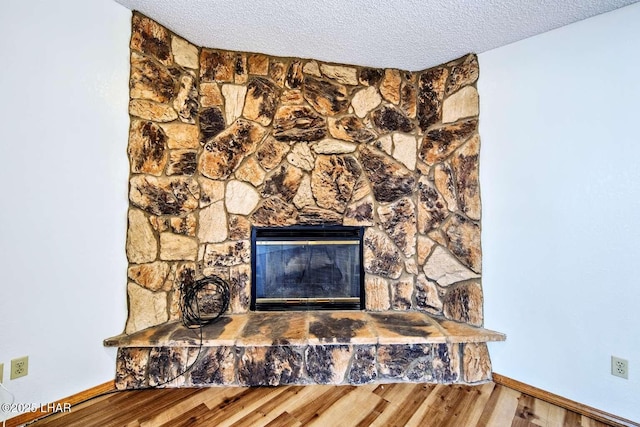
[(330, 347)]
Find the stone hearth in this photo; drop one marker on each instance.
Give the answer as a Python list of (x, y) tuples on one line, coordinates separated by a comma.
[(221, 141), (339, 347)]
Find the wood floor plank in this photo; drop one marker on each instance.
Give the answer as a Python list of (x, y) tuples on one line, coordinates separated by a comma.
[(500, 408), (386, 405), (201, 396), (308, 412), (266, 412), (349, 410), (401, 414), (373, 415)]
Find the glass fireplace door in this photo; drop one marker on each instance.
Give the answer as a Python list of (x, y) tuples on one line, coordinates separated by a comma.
[(307, 267)]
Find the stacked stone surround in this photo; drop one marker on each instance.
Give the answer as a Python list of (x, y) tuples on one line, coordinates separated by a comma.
[(220, 141)]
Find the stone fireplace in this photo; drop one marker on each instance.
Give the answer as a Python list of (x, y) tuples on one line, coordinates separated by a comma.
[(223, 141)]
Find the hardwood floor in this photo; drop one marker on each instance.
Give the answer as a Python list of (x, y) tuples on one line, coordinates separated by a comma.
[(369, 405)]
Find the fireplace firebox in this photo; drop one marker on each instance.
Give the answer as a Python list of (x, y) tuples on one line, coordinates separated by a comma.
[(307, 268)]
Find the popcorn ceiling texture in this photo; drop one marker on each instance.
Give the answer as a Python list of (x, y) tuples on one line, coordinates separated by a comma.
[(409, 34)]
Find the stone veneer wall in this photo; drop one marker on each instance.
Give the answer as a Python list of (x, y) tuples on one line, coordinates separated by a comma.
[(222, 140)]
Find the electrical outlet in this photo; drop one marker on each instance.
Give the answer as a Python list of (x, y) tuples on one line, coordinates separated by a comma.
[(19, 367), (1, 371), (619, 367)]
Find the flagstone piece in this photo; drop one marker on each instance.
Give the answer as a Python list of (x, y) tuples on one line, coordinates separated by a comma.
[(223, 153), (430, 95), (390, 180), (298, 123)]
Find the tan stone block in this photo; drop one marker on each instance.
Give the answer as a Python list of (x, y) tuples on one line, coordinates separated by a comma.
[(301, 157), (326, 97), (184, 53), (277, 71), (292, 97), (223, 153), (439, 143), (365, 100), (432, 208), (430, 95), (147, 148), (409, 100), (463, 73), (151, 38), (424, 246), (298, 123), (304, 196), (239, 228), (210, 95), (390, 86), (464, 103), (398, 220), (360, 213), (445, 268), (333, 179), (174, 247), (146, 308), (405, 149), (466, 169), (240, 68), (350, 129), (401, 294), (261, 100), (258, 64), (241, 198), (385, 143), (211, 191), (463, 240), (181, 135), (150, 80), (446, 185), (389, 179), (186, 100), (216, 65), (213, 223), (142, 246), (476, 364), (150, 110), (333, 146), (251, 171), (294, 75), (312, 68), (233, 101), (381, 257), (164, 195), (377, 294), (339, 73), (152, 276), (427, 296), (274, 211), (240, 288), (182, 162), (271, 153), (464, 303)]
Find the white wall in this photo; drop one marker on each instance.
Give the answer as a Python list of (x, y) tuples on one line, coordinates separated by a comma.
[(63, 174), (560, 177)]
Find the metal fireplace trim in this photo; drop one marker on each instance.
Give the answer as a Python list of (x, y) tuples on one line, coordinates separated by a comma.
[(307, 235)]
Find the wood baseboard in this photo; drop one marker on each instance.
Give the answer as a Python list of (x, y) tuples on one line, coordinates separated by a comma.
[(587, 411), (71, 400)]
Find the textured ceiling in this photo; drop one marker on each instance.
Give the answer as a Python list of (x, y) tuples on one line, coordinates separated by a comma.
[(406, 34)]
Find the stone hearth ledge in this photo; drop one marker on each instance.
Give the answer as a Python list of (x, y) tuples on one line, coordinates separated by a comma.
[(260, 329), (329, 347)]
